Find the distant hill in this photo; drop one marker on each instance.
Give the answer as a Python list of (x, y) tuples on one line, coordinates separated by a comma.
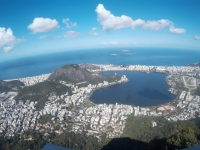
[(68, 73), (90, 67), (10, 85), (195, 64), (72, 72), (41, 91)]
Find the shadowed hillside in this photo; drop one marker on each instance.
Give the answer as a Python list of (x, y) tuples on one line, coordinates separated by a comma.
[(72, 72), (10, 86)]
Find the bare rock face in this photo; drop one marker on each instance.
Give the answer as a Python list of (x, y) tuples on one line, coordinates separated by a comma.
[(73, 72)]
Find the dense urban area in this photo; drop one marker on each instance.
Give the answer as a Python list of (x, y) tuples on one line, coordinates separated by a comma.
[(74, 112)]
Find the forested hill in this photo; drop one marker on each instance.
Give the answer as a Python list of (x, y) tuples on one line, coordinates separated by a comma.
[(72, 72), (41, 91), (195, 64), (10, 86)]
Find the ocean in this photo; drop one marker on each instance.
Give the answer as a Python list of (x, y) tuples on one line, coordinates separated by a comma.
[(46, 63), (142, 90)]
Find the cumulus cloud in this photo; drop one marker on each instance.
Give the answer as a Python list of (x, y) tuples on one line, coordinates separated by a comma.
[(176, 30), (94, 32), (108, 22), (43, 25), (156, 25), (7, 39), (42, 37), (71, 34), (197, 37), (8, 48), (68, 23)]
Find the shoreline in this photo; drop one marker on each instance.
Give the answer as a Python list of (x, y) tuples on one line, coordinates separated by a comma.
[(136, 68)]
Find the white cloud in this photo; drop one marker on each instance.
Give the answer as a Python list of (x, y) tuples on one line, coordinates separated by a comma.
[(6, 36), (7, 39), (43, 25), (110, 43), (197, 37), (68, 23), (157, 25), (42, 37), (176, 30), (8, 48), (108, 22), (71, 34), (93, 32)]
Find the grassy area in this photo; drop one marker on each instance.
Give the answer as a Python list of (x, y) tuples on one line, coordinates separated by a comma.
[(46, 118), (189, 82), (185, 78)]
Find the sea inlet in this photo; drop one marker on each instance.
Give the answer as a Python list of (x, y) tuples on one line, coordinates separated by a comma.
[(141, 90)]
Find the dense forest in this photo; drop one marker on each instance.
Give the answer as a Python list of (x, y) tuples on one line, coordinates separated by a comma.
[(138, 134)]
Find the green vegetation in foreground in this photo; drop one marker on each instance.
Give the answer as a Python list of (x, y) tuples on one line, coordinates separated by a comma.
[(166, 135), (14, 85), (176, 136), (40, 92), (140, 128), (184, 134), (38, 140)]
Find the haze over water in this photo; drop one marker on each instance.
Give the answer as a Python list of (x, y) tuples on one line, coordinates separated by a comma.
[(46, 63)]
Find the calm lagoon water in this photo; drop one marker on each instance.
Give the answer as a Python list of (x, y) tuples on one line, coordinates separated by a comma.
[(142, 90)]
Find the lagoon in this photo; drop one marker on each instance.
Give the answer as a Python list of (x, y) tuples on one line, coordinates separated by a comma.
[(142, 90)]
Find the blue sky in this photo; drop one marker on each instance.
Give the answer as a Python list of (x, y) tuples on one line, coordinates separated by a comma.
[(30, 27)]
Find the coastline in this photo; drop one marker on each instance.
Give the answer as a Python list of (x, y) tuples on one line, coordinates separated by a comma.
[(100, 116)]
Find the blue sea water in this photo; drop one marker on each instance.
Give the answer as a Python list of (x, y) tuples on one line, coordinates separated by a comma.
[(46, 63), (142, 90)]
